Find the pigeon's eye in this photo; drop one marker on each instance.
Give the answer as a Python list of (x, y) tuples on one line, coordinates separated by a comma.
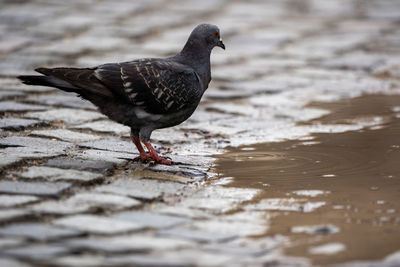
[(216, 34)]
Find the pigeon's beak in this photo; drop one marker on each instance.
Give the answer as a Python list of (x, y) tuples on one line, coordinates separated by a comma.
[(221, 44)]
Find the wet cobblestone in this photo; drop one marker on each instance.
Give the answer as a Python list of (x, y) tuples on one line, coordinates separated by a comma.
[(281, 55)]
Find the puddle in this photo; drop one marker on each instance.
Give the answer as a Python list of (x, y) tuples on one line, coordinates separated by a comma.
[(349, 181)]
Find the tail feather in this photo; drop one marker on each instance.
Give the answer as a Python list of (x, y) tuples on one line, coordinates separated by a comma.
[(48, 81), (34, 80), (45, 71), (81, 81)]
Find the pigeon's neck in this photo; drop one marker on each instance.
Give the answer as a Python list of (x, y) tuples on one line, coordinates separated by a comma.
[(197, 57)]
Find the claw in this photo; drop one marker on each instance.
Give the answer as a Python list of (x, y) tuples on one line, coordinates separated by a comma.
[(152, 156)]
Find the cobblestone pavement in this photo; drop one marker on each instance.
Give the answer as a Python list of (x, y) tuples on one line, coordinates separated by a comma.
[(71, 194)]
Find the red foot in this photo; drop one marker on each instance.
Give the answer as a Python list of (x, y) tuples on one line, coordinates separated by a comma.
[(154, 158), (151, 156), (142, 157), (157, 159)]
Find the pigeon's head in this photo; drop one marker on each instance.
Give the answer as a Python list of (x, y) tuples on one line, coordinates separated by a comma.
[(208, 34)]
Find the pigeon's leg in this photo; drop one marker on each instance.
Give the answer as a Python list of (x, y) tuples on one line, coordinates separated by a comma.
[(142, 153), (154, 156)]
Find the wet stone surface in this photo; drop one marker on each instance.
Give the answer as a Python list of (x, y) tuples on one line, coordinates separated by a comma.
[(9, 106), (33, 188), (142, 189), (105, 201), (104, 127), (55, 174), (65, 135), (116, 158), (128, 243), (85, 202), (151, 220), (34, 143), (115, 145), (80, 164), (97, 224), (197, 235), (18, 124), (63, 100), (37, 231), (7, 215), (12, 263), (71, 193), (67, 115), (36, 252), (7, 201)]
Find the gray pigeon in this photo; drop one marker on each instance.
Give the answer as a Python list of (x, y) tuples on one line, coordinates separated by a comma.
[(144, 94)]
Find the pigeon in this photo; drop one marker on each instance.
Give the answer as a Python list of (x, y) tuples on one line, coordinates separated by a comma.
[(144, 94)]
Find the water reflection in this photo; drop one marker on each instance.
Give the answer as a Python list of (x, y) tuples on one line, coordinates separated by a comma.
[(356, 175)]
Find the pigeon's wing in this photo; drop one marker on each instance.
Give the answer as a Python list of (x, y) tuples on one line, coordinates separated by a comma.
[(157, 86)]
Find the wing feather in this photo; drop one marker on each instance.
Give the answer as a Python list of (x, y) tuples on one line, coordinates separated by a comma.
[(158, 86)]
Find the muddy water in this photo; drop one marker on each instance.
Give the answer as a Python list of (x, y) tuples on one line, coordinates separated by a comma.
[(358, 172)]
